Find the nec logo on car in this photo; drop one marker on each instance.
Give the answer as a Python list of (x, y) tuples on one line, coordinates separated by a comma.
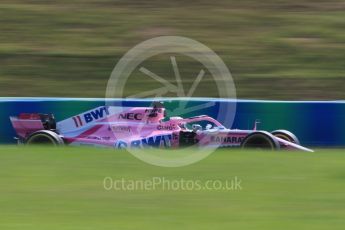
[(96, 114), (131, 116)]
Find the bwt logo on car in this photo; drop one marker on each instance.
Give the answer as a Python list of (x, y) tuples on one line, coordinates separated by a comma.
[(96, 114), (154, 141)]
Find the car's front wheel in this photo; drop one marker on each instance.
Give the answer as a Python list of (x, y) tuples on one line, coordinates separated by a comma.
[(260, 140), (286, 135)]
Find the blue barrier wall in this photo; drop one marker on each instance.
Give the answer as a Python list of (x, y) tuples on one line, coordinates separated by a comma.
[(315, 123)]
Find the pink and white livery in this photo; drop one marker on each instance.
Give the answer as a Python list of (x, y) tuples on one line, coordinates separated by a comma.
[(139, 127)]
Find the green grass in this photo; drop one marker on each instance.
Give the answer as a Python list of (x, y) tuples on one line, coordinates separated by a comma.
[(44, 188), (69, 48)]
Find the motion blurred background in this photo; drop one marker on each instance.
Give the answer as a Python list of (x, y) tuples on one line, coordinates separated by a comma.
[(275, 49)]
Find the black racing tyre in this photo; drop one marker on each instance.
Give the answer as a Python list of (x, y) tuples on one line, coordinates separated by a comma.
[(286, 135), (44, 137), (260, 140)]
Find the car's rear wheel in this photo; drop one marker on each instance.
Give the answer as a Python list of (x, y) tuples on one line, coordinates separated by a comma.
[(260, 140), (286, 135), (44, 137)]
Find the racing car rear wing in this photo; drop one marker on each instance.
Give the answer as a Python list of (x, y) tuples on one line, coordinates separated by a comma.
[(27, 123)]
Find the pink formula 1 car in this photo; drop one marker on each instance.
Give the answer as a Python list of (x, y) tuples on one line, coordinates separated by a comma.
[(137, 127)]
